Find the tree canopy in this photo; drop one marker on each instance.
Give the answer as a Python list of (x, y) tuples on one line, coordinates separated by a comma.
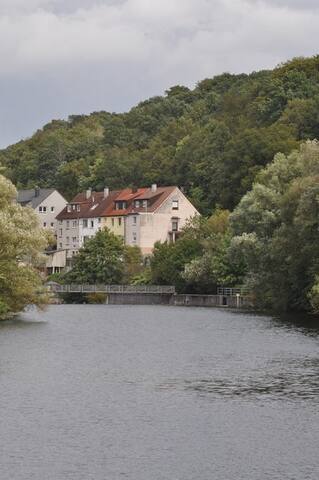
[(21, 244), (276, 231), (212, 140)]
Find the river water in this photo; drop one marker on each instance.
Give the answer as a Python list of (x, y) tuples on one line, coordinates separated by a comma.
[(158, 393)]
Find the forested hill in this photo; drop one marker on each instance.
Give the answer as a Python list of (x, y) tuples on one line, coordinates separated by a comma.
[(212, 140)]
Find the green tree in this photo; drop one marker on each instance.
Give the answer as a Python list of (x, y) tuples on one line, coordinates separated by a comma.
[(21, 244), (276, 228), (99, 261)]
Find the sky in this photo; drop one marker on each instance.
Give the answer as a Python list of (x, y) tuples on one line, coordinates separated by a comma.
[(63, 57)]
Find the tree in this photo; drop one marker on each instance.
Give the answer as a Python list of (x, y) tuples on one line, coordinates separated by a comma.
[(21, 244), (276, 227), (133, 263), (215, 266), (99, 261)]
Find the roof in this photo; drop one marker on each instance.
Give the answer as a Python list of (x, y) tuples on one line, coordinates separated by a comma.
[(33, 196), (99, 206)]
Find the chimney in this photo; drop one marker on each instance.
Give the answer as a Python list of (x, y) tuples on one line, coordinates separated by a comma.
[(106, 192), (154, 187), (88, 193), (36, 191)]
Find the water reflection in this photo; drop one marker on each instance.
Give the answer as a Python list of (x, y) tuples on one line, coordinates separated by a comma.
[(295, 381)]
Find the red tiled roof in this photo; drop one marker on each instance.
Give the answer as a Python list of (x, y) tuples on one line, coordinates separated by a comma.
[(98, 206)]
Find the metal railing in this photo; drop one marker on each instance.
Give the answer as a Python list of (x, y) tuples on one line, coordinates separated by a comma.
[(136, 289), (230, 292)]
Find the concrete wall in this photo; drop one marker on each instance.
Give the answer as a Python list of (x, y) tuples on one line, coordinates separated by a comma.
[(138, 299), (210, 301)]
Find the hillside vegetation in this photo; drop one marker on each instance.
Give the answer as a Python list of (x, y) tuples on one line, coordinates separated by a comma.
[(212, 140)]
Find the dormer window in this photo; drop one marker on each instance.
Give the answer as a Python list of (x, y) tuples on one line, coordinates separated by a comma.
[(120, 205), (144, 203), (78, 208), (137, 204), (73, 207), (68, 208)]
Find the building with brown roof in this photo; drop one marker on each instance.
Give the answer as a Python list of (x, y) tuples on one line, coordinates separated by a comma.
[(140, 216)]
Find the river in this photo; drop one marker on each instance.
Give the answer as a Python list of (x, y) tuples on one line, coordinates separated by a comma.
[(158, 393)]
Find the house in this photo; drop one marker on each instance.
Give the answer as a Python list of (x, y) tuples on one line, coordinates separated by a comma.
[(140, 216), (46, 202)]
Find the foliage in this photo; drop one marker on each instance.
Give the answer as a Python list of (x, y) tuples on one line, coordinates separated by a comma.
[(200, 259), (133, 263), (276, 228), (21, 241), (99, 261), (212, 140)]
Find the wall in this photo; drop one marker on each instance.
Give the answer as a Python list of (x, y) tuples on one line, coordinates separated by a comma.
[(156, 226), (117, 228), (56, 201), (138, 299)]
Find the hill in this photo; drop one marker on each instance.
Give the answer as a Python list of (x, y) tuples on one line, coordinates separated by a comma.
[(211, 140)]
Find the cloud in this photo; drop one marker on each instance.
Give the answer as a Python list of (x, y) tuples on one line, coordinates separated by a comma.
[(108, 54)]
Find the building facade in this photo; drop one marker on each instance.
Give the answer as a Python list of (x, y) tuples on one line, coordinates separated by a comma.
[(141, 217), (47, 204)]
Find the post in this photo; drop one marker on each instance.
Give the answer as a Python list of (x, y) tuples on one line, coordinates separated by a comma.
[(237, 300)]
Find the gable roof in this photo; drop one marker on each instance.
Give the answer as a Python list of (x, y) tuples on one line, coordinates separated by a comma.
[(33, 197), (99, 206)]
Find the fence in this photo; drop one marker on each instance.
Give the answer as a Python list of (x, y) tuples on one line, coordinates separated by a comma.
[(122, 289)]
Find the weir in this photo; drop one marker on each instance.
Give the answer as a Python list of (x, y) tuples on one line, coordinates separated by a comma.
[(154, 295)]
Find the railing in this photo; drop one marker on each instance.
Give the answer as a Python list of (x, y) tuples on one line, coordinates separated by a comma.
[(230, 292), (136, 289)]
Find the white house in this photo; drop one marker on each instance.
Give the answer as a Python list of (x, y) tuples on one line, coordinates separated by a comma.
[(46, 202)]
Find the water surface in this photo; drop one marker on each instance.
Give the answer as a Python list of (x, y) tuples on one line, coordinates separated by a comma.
[(158, 393)]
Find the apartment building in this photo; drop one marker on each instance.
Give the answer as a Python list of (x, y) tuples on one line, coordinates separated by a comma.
[(140, 216)]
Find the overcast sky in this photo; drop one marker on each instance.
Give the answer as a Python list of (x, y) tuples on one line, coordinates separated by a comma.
[(61, 57)]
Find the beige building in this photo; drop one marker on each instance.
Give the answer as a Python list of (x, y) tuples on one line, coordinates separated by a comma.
[(159, 215), (140, 216)]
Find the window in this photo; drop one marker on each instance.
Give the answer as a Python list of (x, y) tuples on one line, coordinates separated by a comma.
[(144, 203), (134, 237), (44, 224), (175, 205), (67, 224), (78, 208), (120, 205), (74, 223), (85, 239), (174, 225), (52, 224), (44, 209), (120, 221), (92, 223), (99, 220), (85, 223), (60, 222), (134, 220), (60, 244), (40, 209), (74, 239), (112, 222), (60, 232), (68, 208), (52, 209), (67, 240), (137, 203)]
